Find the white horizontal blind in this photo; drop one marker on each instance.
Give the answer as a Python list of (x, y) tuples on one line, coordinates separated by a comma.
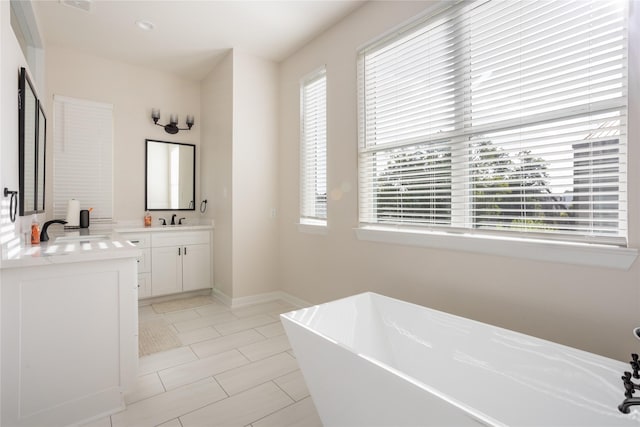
[(499, 117), (313, 147), (83, 157)]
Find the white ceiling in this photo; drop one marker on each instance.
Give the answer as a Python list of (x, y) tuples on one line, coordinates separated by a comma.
[(190, 36)]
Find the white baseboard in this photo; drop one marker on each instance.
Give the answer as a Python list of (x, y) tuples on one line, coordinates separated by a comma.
[(163, 298), (259, 298), (224, 298), (293, 300)]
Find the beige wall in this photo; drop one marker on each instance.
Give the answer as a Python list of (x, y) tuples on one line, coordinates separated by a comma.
[(217, 144), (11, 60), (133, 91), (240, 142), (590, 308), (255, 148), (237, 156)]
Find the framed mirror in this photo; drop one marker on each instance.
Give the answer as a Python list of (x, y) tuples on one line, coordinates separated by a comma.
[(170, 180), (27, 144)]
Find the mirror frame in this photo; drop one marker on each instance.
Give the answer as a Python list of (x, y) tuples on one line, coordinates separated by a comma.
[(146, 177), (41, 155), (24, 84)]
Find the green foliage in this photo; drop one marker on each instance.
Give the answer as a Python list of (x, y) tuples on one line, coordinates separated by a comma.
[(416, 186), (505, 190)]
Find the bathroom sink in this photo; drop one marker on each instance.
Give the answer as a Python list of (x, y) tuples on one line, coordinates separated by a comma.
[(77, 238)]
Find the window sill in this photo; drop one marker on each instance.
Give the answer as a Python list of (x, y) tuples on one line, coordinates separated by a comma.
[(569, 253), (313, 227)]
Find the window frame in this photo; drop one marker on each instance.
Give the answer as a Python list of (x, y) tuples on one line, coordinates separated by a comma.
[(471, 240), (310, 220)]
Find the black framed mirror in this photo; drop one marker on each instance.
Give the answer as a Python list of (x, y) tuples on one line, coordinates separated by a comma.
[(29, 112), (170, 180)]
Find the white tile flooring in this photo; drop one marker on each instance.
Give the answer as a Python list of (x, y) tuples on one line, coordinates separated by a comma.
[(235, 368)]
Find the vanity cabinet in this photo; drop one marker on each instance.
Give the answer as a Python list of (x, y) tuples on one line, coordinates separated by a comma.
[(172, 260), (180, 262), (69, 338)]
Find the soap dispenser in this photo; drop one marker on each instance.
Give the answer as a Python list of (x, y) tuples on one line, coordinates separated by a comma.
[(147, 219), (35, 231)]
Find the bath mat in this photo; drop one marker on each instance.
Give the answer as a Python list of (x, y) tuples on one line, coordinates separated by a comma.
[(156, 335), (182, 304)]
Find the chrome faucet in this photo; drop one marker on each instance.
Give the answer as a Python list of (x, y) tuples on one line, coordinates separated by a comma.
[(173, 219), (43, 234)]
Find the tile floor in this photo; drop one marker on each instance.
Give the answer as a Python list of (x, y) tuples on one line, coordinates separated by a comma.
[(235, 368)]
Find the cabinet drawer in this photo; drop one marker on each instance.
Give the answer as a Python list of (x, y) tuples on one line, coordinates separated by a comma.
[(178, 238), (141, 240)]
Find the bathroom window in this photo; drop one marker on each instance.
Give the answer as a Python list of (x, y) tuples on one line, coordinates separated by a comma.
[(313, 149), (506, 118), (83, 157)]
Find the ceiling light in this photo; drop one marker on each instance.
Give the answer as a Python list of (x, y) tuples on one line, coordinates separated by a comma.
[(145, 25)]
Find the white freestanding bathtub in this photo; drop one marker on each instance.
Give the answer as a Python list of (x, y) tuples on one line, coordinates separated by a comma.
[(370, 360)]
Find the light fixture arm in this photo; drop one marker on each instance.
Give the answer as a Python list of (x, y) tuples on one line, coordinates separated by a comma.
[(172, 127)]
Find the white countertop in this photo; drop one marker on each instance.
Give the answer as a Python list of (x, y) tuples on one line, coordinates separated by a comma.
[(68, 247), (78, 245)]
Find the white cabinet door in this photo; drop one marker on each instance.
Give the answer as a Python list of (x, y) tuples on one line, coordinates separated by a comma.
[(166, 270), (178, 261), (69, 341), (196, 267)]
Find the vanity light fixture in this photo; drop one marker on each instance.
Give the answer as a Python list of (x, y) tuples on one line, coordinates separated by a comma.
[(172, 127)]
